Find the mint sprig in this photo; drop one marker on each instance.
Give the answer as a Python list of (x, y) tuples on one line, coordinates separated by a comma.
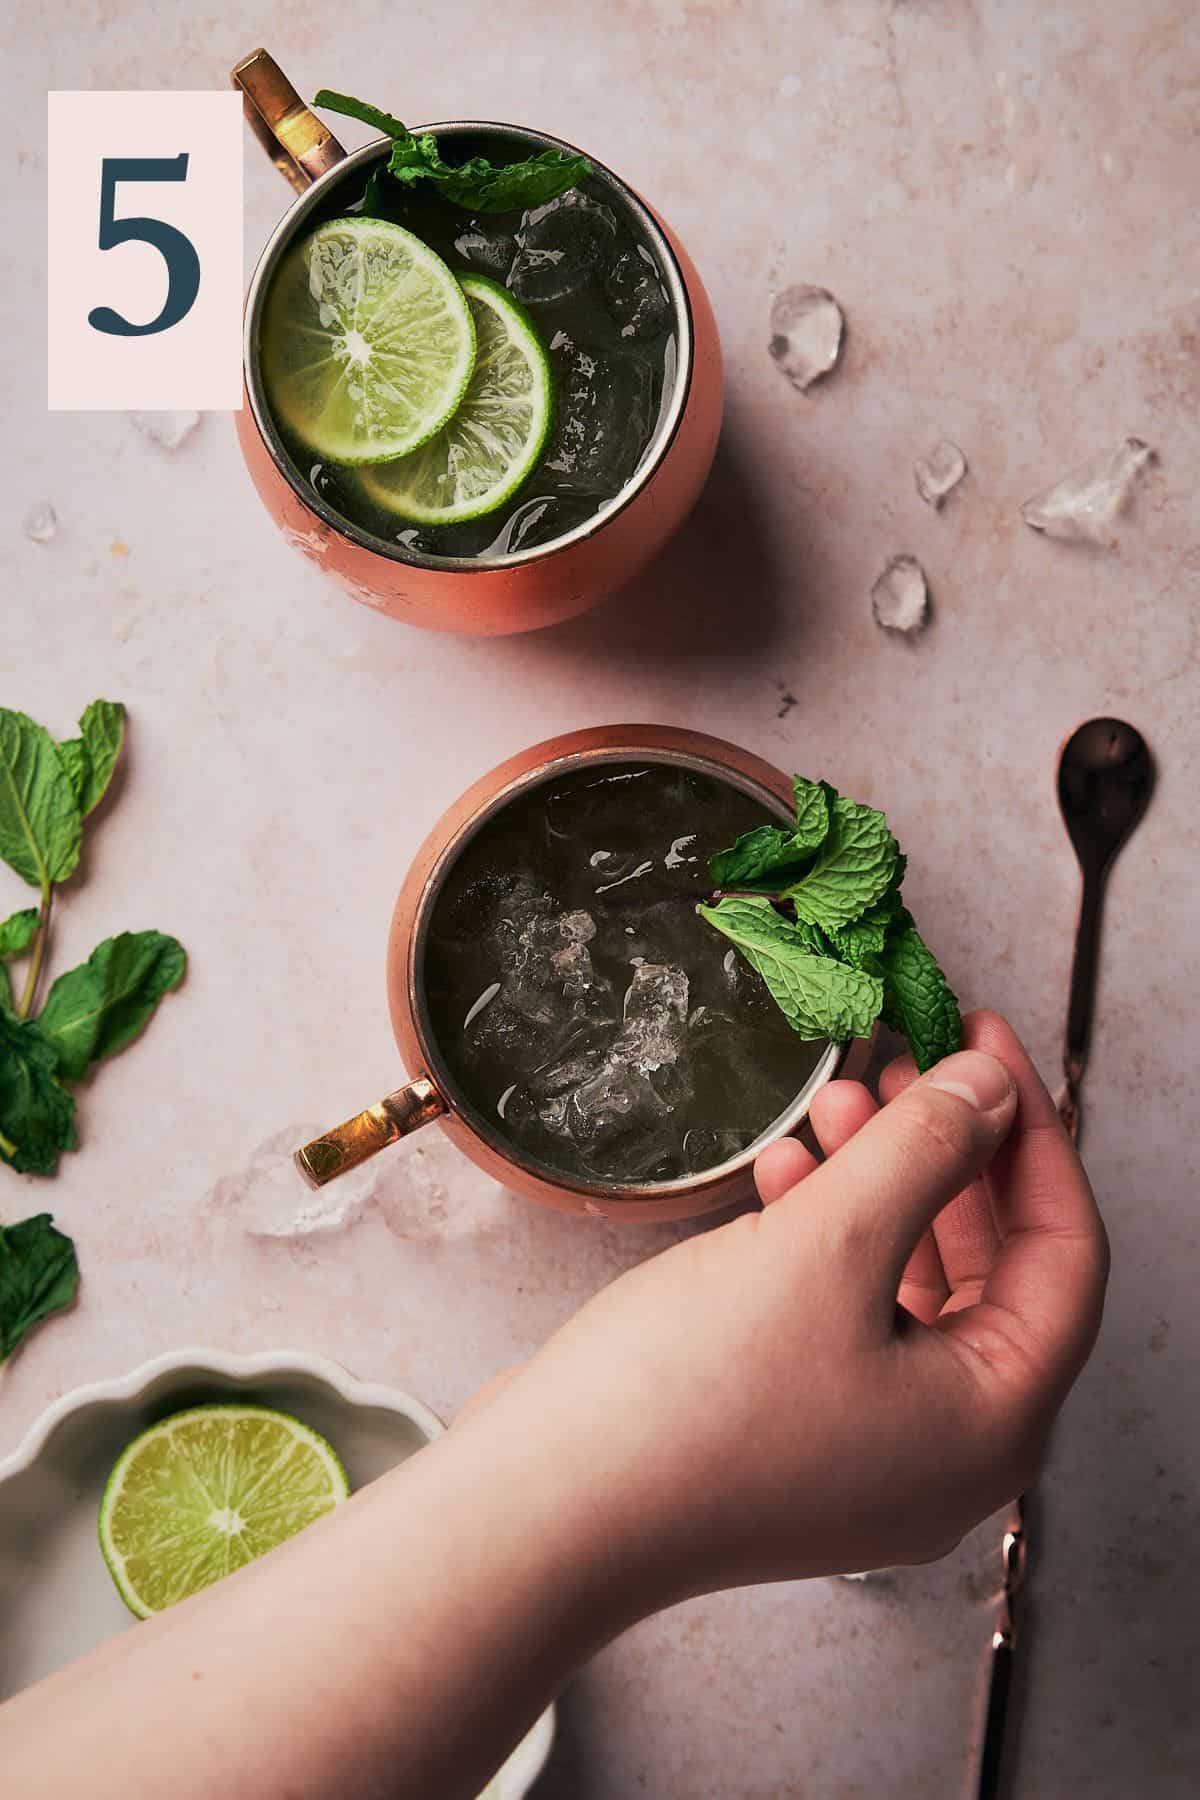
[(818, 914), (477, 185), (46, 791)]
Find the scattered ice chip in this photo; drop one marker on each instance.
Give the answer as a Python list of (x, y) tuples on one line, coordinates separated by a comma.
[(939, 473), (40, 523), (1084, 506), (166, 429), (900, 597), (560, 247), (269, 1198), (807, 328), (635, 296)]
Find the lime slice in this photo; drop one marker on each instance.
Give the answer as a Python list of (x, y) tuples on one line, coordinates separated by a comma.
[(480, 459), (206, 1491), (367, 341)]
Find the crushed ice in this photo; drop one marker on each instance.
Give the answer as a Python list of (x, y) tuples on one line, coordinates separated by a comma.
[(1083, 508), (900, 597), (166, 429), (807, 329), (40, 523), (426, 1191), (938, 474), (609, 1094)]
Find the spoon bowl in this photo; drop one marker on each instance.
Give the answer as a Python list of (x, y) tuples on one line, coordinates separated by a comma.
[(1105, 780)]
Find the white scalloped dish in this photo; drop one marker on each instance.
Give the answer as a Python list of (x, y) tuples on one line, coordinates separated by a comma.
[(56, 1597)]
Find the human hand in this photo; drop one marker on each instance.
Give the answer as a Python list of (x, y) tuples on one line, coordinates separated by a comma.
[(854, 1376)]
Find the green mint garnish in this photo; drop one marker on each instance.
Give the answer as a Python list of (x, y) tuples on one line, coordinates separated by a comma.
[(37, 1115), (819, 915), (38, 1276), (855, 867), (46, 791), (916, 999), (818, 996), (95, 1010), (477, 185)]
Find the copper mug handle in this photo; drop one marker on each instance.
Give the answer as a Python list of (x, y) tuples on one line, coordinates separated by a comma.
[(294, 138), (390, 1119)]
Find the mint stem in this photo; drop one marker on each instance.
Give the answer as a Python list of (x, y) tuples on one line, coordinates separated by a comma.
[(9, 1149), (37, 956)]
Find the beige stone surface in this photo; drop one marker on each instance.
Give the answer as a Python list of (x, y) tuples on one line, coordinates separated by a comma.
[(1003, 196)]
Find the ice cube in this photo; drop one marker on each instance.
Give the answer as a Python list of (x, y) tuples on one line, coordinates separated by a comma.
[(1085, 505), (605, 419), (635, 295), (166, 429), (900, 597), (611, 1095), (560, 247), (40, 523), (939, 473), (655, 1014), (269, 1198), (547, 984), (533, 522), (429, 1192), (807, 329), (704, 1149), (484, 248)]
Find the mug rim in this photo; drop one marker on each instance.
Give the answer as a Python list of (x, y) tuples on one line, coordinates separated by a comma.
[(463, 1110), (670, 415)]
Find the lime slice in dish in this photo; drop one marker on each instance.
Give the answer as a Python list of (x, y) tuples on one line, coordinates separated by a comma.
[(367, 343), (206, 1491), (493, 441)]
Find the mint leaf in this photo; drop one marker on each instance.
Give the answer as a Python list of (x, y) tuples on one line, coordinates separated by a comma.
[(17, 931), (480, 187), (16, 934), (95, 1010), (767, 855), (856, 866), (40, 825), (360, 109), (814, 811), (861, 943), (819, 997), (477, 184), (37, 1116), (89, 759), (917, 999), (38, 1276)]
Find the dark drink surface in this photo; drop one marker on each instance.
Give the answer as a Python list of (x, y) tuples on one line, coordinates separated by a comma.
[(582, 1006)]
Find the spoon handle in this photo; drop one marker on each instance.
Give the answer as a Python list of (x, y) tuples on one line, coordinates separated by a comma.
[(1082, 998)]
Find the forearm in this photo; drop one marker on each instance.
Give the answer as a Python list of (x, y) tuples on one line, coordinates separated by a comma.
[(399, 1648)]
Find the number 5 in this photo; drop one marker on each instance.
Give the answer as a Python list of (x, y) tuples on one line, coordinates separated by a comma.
[(177, 251)]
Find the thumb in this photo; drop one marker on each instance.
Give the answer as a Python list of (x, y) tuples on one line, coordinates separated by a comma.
[(885, 1187)]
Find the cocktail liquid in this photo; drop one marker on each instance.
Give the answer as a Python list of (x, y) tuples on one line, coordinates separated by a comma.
[(581, 266), (581, 1004)]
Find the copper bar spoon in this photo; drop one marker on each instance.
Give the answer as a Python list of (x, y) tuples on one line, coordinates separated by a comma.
[(1105, 780)]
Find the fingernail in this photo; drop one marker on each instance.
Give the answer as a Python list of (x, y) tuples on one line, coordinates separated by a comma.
[(979, 1079)]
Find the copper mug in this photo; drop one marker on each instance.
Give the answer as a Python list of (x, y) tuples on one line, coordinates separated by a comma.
[(431, 1092), (481, 596)]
